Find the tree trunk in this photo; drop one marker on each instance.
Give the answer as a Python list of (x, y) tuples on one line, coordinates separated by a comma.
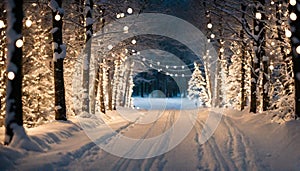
[(296, 55), (14, 113), (87, 56), (101, 89), (59, 55), (243, 64), (109, 88)]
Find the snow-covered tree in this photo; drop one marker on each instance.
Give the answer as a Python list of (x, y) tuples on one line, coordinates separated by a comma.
[(14, 109), (59, 54), (197, 89)]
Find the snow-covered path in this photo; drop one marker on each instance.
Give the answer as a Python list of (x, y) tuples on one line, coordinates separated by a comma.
[(232, 147)]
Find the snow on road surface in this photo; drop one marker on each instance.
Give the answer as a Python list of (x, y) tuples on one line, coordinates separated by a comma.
[(242, 141)]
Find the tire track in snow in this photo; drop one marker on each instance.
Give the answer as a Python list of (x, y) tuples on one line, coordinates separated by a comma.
[(155, 163), (243, 153), (212, 150)]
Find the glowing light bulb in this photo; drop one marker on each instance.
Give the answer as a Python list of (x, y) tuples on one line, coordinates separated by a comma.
[(133, 41), (2, 25), (258, 16), (19, 43), (28, 23), (129, 10), (126, 28), (11, 75), (209, 25), (212, 36), (110, 47), (298, 49), (222, 50), (57, 17), (273, 43), (272, 2), (288, 33), (293, 16), (271, 67), (293, 2), (122, 15)]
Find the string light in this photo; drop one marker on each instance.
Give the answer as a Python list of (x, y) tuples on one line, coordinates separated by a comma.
[(209, 25), (272, 2), (110, 47), (293, 16), (288, 33), (222, 50), (298, 49), (28, 23), (212, 36), (57, 17), (126, 28), (2, 25), (118, 16), (133, 41), (293, 2), (11, 75), (122, 15), (129, 10), (19, 43), (258, 16)]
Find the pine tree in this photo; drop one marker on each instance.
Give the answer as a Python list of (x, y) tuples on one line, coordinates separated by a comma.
[(197, 89)]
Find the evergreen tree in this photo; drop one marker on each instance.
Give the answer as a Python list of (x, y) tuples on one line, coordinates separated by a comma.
[(197, 89)]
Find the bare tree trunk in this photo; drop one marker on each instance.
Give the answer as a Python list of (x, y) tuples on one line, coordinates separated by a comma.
[(59, 55), (243, 62), (296, 55), (87, 56), (101, 89), (109, 87), (14, 112)]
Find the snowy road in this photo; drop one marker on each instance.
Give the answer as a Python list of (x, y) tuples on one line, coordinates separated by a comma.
[(232, 147)]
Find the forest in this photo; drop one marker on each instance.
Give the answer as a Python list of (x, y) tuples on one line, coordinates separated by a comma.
[(58, 59)]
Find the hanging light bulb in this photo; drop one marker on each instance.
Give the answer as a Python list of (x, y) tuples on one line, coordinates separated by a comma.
[(133, 41), (212, 36), (298, 49), (122, 15), (110, 47), (288, 33), (258, 16), (126, 28), (28, 23), (57, 17), (222, 50), (19, 43), (11, 75), (293, 16), (209, 25), (129, 10), (2, 25), (293, 2)]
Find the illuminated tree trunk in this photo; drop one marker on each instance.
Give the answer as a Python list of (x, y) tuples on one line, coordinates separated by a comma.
[(14, 114), (101, 88), (243, 63), (87, 56), (295, 25), (58, 58)]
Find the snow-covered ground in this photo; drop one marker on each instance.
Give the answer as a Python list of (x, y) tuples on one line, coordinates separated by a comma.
[(242, 141)]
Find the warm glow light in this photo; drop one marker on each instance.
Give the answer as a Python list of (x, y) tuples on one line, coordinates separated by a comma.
[(212, 36), (2, 25), (209, 25), (11, 75), (272, 2), (126, 28), (273, 43), (271, 67), (28, 23), (122, 15), (222, 50), (288, 33), (293, 16), (57, 17), (298, 49), (129, 10), (110, 47), (19, 43), (293, 2), (118, 15), (133, 41), (258, 16)]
